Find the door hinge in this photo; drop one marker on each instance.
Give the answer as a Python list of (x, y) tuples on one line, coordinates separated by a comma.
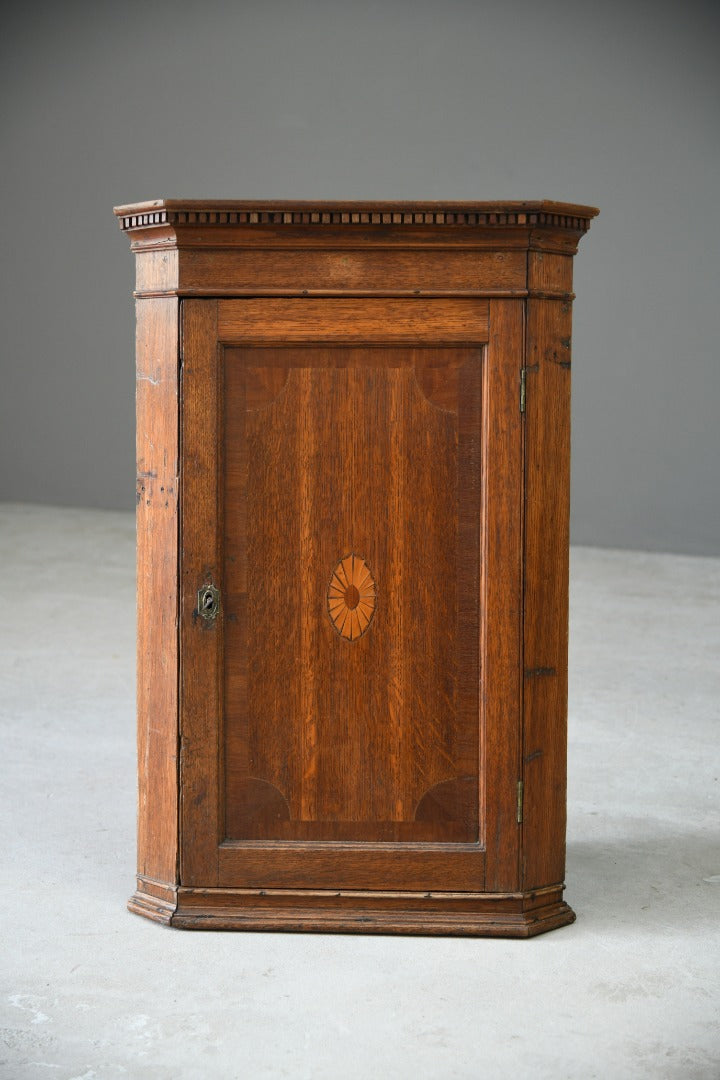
[(523, 375), (520, 795)]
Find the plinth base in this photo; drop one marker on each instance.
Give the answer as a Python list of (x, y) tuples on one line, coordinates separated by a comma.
[(510, 915)]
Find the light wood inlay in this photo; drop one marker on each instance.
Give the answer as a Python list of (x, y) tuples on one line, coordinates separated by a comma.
[(351, 597)]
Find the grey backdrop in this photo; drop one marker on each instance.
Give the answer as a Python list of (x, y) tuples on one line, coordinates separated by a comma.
[(610, 104)]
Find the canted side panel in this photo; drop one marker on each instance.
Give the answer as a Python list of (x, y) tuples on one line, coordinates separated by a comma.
[(550, 273), (157, 588), (546, 591), (351, 583), (156, 271)]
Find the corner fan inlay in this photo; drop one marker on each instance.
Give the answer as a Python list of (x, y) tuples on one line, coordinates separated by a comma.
[(351, 597)]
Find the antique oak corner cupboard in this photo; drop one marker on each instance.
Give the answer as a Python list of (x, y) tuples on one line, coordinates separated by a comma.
[(352, 511)]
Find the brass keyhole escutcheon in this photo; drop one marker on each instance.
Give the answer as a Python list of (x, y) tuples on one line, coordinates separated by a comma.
[(208, 602)]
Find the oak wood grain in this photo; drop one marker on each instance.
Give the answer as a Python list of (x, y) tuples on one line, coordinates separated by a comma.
[(157, 587), (423, 383), (366, 730), (547, 529), (201, 774), (339, 865), (464, 913), (414, 321), (257, 270), (330, 432), (501, 655), (243, 212)]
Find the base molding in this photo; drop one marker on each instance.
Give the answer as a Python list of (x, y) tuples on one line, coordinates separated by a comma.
[(510, 915), (151, 907), (156, 900)]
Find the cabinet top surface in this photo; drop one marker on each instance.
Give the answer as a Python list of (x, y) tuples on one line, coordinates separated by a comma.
[(311, 212)]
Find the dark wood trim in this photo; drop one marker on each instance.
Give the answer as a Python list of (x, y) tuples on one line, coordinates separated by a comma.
[(355, 294)]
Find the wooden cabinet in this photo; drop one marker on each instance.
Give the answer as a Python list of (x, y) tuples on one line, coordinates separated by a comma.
[(352, 509)]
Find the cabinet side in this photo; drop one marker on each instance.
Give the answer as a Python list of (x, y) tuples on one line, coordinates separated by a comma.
[(157, 605), (546, 571)]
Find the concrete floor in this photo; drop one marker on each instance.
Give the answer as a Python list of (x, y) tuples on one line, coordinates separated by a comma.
[(91, 992)]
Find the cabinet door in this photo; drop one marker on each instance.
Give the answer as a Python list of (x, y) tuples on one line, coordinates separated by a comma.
[(351, 483)]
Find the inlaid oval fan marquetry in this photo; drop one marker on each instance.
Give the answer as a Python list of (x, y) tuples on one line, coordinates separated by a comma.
[(351, 597)]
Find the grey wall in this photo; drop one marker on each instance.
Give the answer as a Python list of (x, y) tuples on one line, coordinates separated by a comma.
[(610, 104)]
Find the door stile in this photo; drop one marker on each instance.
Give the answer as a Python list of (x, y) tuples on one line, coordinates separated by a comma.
[(501, 594), (201, 637)]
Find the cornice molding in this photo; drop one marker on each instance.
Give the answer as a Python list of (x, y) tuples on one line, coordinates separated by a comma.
[(275, 213)]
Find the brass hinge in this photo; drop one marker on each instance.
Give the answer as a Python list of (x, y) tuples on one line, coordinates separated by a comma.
[(523, 374), (520, 794)]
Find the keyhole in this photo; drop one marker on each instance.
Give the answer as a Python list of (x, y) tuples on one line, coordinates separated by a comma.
[(208, 602)]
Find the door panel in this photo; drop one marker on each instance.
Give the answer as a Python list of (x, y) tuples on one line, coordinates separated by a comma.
[(351, 571)]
